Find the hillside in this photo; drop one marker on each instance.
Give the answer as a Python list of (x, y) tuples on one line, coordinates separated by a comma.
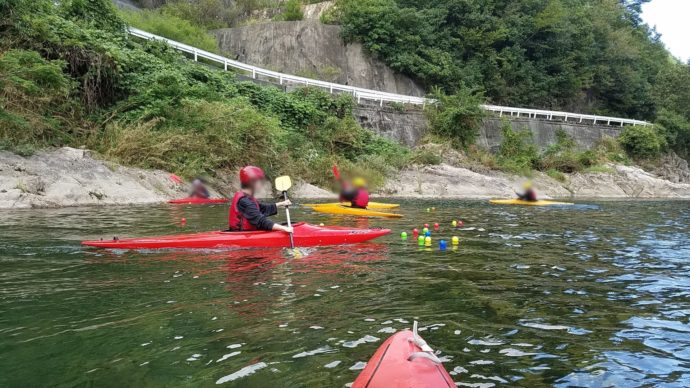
[(70, 76), (593, 57)]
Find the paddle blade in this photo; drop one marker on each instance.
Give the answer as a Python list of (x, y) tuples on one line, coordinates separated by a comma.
[(336, 173), (176, 179), (283, 183)]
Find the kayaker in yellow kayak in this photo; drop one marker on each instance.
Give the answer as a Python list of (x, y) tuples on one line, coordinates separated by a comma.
[(356, 193), (246, 213), (528, 194)]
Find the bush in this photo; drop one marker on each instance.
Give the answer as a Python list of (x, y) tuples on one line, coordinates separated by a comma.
[(557, 175), (293, 11), (642, 141), (172, 27), (676, 131), (517, 152), (425, 156), (209, 14), (197, 137), (456, 117), (33, 91), (610, 149)]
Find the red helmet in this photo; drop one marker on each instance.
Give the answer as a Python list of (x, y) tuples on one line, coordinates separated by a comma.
[(249, 174)]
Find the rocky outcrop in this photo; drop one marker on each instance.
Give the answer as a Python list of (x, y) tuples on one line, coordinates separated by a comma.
[(673, 168), (313, 50), (445, 181), (71, 177), (315, 10)]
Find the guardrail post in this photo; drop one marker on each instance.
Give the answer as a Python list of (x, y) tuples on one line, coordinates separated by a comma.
[(280, 80), (381, 104), (225, 65), (195, 56)]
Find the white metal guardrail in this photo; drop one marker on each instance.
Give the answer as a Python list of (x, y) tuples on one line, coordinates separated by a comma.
[(374, 95), (562, 116)]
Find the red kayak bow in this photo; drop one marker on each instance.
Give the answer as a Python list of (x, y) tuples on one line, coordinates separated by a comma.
[(305, 235), (404, 360)]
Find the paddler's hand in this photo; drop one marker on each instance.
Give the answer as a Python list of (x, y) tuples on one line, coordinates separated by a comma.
[(287, 229), (285, 203)]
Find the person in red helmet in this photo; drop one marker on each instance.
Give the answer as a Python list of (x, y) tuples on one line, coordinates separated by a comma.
[(246, 213)]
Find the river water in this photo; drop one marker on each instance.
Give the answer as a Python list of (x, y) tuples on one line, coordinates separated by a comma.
[(590, 295)]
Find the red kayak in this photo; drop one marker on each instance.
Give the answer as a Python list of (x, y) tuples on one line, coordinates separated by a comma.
[(404, 361), (305, 235), (198, 201)]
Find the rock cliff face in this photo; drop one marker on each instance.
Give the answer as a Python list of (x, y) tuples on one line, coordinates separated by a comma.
[(314, 50), (72, 177)]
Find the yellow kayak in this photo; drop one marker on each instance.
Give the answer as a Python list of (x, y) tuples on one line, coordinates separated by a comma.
[(516, 201), (352, 211), (372, 205)]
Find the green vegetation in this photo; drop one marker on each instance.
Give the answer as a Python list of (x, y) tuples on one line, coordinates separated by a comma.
[(70, 76), (518, 154), (456, 117), (642, 142), (293, 11), (573, 55), (162, 23), (210, 13)]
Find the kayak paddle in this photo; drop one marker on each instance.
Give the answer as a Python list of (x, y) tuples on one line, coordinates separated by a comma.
[(283, 183), (336, 173)]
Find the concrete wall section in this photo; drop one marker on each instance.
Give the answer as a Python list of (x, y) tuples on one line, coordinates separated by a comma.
[(544, 132), (404, 126), (409, 127)]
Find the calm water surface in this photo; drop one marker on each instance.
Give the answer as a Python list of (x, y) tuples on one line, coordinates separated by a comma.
[(595, 295)]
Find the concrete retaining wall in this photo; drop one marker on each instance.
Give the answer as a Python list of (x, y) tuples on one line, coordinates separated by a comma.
[(409, 127)]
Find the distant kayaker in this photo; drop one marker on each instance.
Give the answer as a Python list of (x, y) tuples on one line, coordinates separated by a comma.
[(356, 193), (246, 213), (199, 189), (528, 193)]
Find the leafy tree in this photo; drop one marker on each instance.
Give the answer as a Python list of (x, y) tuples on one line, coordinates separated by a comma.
[(642, 141), (560, 54), (456, 117)]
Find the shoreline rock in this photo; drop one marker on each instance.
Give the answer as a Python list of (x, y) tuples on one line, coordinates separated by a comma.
[(445, 181), (73, 177)]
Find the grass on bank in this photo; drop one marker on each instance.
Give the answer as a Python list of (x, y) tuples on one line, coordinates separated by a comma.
[(70, 76)]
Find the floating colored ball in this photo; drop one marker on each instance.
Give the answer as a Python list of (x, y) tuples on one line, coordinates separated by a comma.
[(455, 240)]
